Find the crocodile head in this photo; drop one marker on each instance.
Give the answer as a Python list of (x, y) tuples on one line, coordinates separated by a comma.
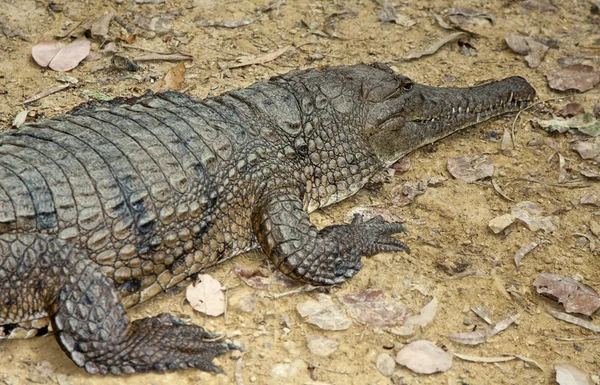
[(402, 116)]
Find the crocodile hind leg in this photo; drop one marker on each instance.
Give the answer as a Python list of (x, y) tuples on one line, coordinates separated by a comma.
[(324, 257), (42, 275)]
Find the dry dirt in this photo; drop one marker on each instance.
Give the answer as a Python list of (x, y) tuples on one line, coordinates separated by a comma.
[(449, 223)]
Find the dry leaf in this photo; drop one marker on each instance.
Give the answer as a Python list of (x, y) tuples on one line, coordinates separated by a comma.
[(388, 14), (175, 77), (369, 212), (100, 26), (526, 45), (532, 215), (424, 357), (324, 314), (588, 149), (160, 24), (19, 119), (256, 279), (574, 77), (424, 318), (321, 346), (226, 24), (66, 58), (571, 110), (567, 374), (165, 57), (460, 16), (483, 359), (520, 254), (44, 51), (574, 320), (435, 46), (471, 169), (205, 296), (482, 312), (262, 59), (482, 335), (575, 296), (584, 123), (371, 307)]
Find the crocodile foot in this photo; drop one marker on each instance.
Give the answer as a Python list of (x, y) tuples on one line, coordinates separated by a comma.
[(342, 246)]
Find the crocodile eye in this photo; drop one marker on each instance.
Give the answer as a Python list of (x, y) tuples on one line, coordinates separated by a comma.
[(407, 84)]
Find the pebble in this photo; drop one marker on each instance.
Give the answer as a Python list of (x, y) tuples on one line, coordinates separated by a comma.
[(595, 228), (385, 364), (321, 346), (578, 261), (289, 370), (498, 224)]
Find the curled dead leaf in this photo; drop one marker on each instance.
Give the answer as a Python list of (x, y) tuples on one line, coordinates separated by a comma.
[(574, 77), (205, 296), (575, 296)]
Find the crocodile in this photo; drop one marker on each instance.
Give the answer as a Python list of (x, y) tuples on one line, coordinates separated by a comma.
[(115, 202)]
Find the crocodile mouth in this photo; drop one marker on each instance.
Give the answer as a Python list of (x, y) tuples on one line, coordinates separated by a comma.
[(457, 108)]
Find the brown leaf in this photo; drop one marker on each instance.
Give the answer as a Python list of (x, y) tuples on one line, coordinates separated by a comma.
[(205, 296), (460, 16), (526, 45), (435, 46), (531, 214), (70, 56), (262, 59), (471, 169), (482, 335), (256, 279), (589, 149), (520, 254), (574, 77), (175, 77), (226, 24), (44, 51), (165, 57), (324, 314), (388, 14), (160, 24), (571, 110), (574, 320), (424, 357), (567, 374), (371, 307), (575, 296), (100, 26)]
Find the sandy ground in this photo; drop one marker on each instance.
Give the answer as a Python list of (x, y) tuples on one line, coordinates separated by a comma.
[(449, 223)]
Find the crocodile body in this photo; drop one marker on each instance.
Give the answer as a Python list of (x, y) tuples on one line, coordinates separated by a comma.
[(106, 207)]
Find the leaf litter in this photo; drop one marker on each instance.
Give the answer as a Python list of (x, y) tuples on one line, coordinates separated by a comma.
[(531, 214), (471, 169), (388, 14), (525, 45), (372, 308), (424, 357), (60, 57), (575, 296), (578, 77), (585, 123), (433, 48), (324, 313), (574, 320), (567, 374), (205, 296), (424, 318), (481, 336)]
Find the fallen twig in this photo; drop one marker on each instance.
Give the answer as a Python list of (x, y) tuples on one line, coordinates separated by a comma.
[(301, 289), (165, 57), (47, 92), (262, 59)]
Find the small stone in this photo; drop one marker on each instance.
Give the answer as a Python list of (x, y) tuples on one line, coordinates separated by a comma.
[(321, 346), (385, 364), (289, 370), (252, 379), (595, 228), (578, 261), (498, 224), (468, 321)]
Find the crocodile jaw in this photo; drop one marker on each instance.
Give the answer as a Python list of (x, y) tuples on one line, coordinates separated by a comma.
[(426, 114)]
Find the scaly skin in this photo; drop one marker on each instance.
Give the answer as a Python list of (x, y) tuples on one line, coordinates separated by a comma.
[(104, 208)]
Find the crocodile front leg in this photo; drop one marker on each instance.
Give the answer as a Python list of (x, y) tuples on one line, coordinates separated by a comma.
[(42, 275), (324, 257)]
